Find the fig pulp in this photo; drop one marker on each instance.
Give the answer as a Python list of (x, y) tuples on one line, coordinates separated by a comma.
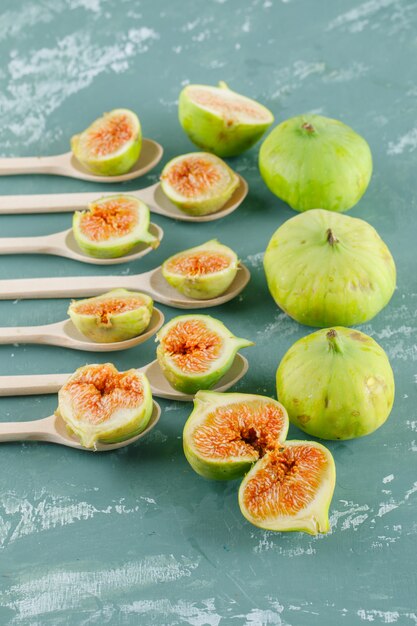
[(112, 226), (221, 121), (336, 384), (111, 145), (314, 162), (195, 351), (198, 183), (227, 432), (202, 272), (100, 404), (114, 316), (290, 488), (327, 269)]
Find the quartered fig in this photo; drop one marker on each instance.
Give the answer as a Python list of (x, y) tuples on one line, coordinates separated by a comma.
[(114, 316), (195, 351), (111, 145), (198, 183), (221, 121), (311, 162), (227, 432), (112, 226), (336, 383), (327, 269), (202, 272), (100, 404), (290, 488)]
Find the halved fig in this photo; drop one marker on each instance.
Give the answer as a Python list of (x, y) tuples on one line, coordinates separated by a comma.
[(100, 404), (220, 120), (111, 145), (290, 488), (198, 183), (112, 226), (195, 351), (202, 272), (227, 432), (114, 316)]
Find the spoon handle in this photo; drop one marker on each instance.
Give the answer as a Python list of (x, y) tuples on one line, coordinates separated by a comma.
[(30, 165), (27, 334), (32, 384), (37, 430), (29, 245), (64, 286)]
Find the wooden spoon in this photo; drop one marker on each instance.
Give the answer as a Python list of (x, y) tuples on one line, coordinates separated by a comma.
[(67, 165), (152, 283), (29, 385), (65, 334), (53, 429), (153, 196), (64, 244)]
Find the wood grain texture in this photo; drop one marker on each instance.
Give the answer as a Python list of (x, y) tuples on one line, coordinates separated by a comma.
[(134, 536)]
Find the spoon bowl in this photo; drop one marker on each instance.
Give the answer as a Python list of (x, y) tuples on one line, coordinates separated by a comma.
[(153, 196), (67, 165), (53, 429), (66, 335)]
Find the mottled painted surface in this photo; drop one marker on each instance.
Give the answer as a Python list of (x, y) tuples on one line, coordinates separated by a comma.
[(135, 537)]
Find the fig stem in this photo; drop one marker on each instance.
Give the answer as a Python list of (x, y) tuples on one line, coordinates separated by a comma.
[(308, 127), (334, 342), (332, 239), (223, 85)]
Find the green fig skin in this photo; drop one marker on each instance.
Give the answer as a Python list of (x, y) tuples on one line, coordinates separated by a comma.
[(117, 326), (311, 162), (118, 246), (225, 468), (222, 135), (326, 269), (313, 518), (209, 201), (336, 384), (121, 162), (203, 286), (133, 422), (190, 383)]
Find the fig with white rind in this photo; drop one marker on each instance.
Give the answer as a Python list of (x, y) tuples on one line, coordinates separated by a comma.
[(290, 488), (114, 316), (198, 183), (326, 269), (202, 272), (100, 404), (227, 432), (220, 120), (195, 351), (112, 226), (111, 145), (311, 162), (336, 383)]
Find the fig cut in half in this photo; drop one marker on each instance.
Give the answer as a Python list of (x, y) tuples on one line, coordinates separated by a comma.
[(198, 183), (202, 272), (111, 145), (220, 120), (336, 383), (112, 226), (290, 488), (326, 269), (100, 404), (311, 162), (227, 432), (114, 316), (195, 351)]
